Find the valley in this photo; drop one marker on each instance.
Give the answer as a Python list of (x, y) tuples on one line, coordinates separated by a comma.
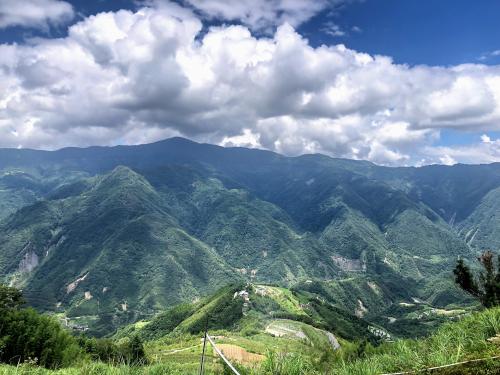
[(309, 255)]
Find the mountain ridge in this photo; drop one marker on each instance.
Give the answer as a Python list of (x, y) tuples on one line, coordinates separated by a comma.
[(156, 219), (186, 141)]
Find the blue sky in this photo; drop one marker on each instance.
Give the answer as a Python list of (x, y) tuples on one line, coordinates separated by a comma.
[(444, 32), (417, 104)]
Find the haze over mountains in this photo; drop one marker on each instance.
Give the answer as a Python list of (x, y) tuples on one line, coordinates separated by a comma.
[(107, 235)]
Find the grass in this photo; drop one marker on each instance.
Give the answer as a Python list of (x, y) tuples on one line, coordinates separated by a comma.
[(187, 348), (283, 297), (91, 368), (453, 342)]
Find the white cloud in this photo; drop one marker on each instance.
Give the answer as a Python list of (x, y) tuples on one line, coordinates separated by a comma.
[(332, 29), (34, 13), (247, 139), (447, 160), (485, 139), (489, 55), (486, 151), (134, 77), (262, 15)]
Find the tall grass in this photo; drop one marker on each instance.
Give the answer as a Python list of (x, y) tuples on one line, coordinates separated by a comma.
[(453, 342), (286, 364), (99, 369)]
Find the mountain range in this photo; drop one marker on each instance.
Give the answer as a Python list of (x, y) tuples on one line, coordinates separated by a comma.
[(105, 236)]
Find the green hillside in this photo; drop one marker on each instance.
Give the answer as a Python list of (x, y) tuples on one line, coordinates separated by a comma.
[(107, 236), (269, 330), (480, 229), (250, 309), (109, 255), (474, 337)]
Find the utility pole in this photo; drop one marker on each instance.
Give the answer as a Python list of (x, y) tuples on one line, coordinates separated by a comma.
[(202, 366)]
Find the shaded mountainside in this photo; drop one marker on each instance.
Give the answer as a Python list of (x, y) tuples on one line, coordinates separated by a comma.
[(106, 236)]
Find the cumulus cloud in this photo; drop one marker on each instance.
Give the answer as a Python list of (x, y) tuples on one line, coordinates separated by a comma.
[(134, 77), (486, 150), (34, 13), (262, 15)]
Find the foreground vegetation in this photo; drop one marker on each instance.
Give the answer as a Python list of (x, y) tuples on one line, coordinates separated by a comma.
[(486, 286), (29, 341), (454, 342)]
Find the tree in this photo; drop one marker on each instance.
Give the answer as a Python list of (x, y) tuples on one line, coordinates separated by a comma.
[(10, 298), (26, 335), (465, 279), (485, 287), (137, 353)]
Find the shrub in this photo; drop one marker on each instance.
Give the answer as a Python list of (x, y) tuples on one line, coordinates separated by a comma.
[(26, 336), (128, 351)]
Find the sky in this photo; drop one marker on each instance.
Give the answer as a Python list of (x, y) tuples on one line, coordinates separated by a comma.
[(411, 82)]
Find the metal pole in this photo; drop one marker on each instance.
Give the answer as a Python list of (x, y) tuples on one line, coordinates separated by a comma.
[(202, 365), (217, 350)]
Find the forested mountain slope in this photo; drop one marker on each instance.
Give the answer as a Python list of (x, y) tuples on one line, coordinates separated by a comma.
[(108, 235)]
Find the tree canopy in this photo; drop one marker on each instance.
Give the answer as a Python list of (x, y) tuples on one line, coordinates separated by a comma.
[(10, 298), (26, 335), (486, 285)]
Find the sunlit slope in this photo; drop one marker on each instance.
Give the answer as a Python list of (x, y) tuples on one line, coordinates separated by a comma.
[(255, 318)]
